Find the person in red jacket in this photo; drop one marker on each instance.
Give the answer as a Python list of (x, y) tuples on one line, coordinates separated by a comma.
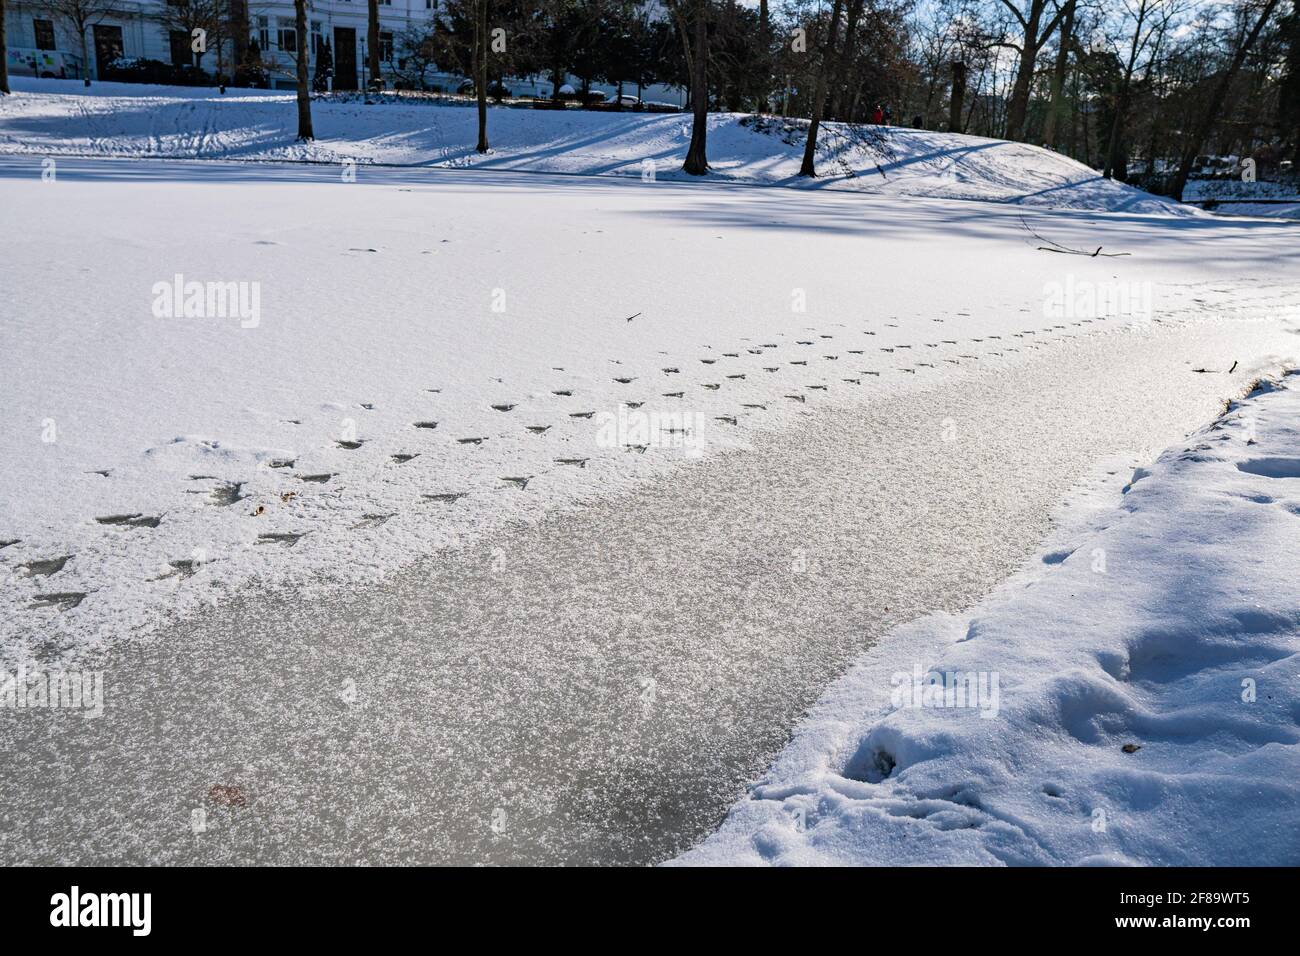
[(877, 115)]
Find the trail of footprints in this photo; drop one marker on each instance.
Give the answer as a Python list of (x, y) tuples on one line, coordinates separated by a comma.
[(795, 363)]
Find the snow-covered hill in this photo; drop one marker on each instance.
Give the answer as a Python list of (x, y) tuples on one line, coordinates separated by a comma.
[(51, 117)]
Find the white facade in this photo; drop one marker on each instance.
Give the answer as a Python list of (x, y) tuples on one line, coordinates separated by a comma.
[(138, 28)]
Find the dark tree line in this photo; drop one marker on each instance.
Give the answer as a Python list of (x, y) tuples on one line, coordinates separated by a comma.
[(1144, 90)]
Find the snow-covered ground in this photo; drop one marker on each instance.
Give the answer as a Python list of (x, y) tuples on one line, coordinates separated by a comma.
[(428, 357), (60, 117), (321, 425), (1134, 698)]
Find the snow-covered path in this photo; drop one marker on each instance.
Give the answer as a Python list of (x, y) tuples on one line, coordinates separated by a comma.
[(618, 646)]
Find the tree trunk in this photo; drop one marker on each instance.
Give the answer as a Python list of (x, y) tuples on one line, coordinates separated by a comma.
[(481, 71), (765, 51), (85, 54), (840, 87), (4, 58), (1122, 100), (697, 162), (372, 42), (1051, 125), (955, 124), (1208, 118), (809, 167), (1018, 106), (304, 89)]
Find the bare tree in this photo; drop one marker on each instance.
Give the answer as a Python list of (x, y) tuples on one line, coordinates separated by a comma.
[(697, 161), (1034, 35), (80, 16), (1055, 101), (211, 17), (301, 56), (1210, 115), (1151, 16), (827, 67)]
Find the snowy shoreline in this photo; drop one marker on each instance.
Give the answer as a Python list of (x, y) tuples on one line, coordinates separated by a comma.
[(55, 118), (1115, 704)]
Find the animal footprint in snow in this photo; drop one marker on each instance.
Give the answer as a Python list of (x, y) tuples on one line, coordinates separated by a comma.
[(739, 375), (349, 445), (519, 482), (286, 539), (371, 521), (731, 355), (10, 541), (797, 398), (564, 391), (639, 449), (136, 520), (402, 457), (801, 362), (581, 414), (819, 388), (471, 441), (576, 462), (429, 425), (184, 567), (770, 368), (320, 479), (63, 600), (226, 494), (502, 408), (672, 371), (711, 386), (446, 497), (625, 381), (282, 463), (673, 394), (708, 361), (44, 567), (538, 429), (760, 407), (730, 420)]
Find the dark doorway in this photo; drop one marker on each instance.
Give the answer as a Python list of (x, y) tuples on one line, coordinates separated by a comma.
[(345, 58), (108, 47)]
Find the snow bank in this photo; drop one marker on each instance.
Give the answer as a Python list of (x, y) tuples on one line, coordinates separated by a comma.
[(113, 119), (1131, 700)]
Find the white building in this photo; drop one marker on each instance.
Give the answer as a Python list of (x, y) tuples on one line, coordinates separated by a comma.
[(139, 29), (41, 42)]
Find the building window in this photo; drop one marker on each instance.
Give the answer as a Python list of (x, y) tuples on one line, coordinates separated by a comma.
[(287, 38), (44, 34), (386, 45), (179, 41), (317, 41), (263, 34)]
